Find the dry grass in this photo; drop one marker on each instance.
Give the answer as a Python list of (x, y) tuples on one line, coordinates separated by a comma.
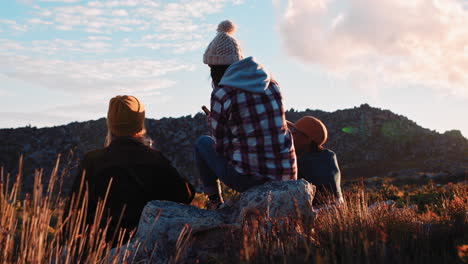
[(38, 228), (34, 229), (355, 232)]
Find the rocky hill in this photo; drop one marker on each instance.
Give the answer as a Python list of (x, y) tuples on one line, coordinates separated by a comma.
[(368, 142)]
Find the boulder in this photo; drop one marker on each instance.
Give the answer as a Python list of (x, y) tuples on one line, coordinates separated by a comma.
[(274, 199), (168, 229)]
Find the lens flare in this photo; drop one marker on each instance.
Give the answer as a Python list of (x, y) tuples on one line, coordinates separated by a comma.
[(350, 130)]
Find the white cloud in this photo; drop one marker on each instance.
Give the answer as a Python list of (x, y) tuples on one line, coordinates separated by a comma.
[(105, 16), (93, 79), (99, 38), (4, 92), (121, 3), (391, 41), (120, 12), (179, 26), (57, 47), (80, 53), (172, 36), (61, 1), (96, 46), (13, 25), (66, 28), (7, 45), (39, 21)]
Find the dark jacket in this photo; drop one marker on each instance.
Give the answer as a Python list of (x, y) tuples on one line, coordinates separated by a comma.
[(321, 169), (140, 174)]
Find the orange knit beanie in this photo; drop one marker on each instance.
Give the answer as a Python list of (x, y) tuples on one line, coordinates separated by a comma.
[(313, 128), (126, 115)]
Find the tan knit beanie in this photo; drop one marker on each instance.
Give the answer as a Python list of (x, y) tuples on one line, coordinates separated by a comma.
[(126, 116), (224, 48)]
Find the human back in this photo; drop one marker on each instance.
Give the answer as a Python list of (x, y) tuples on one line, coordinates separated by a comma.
[(316, 164), (321, 168), (130, 168), (260, 144), (249, 143), (139, 174)]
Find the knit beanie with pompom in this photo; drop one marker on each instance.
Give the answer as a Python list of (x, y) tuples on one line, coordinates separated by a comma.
[(224, 48), (126, 116)]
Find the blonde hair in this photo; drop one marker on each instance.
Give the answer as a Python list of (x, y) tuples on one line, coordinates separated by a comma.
[(141, 136)]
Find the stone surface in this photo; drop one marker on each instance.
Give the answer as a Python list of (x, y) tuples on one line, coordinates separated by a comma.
[(274, 199), (163, 222)]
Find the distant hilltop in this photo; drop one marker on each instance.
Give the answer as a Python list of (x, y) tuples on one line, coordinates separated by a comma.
[(368, 142)]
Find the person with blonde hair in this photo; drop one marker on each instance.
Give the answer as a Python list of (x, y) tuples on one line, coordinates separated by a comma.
[(139, 172)]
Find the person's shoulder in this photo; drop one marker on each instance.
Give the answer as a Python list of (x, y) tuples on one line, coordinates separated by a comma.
[(94, 154), (223, 92), (328, 152), (92, 157)]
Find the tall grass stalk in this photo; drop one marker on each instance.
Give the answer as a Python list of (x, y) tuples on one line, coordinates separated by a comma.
[(42, 227)]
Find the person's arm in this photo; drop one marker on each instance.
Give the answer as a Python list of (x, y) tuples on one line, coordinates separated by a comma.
[(218, 118)]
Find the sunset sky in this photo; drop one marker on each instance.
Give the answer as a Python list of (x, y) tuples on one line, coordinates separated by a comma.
[(62, 60)]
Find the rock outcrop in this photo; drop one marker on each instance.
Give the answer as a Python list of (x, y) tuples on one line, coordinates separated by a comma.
[(177, 231)]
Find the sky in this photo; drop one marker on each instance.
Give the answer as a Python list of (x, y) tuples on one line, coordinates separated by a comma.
[(62, 60)]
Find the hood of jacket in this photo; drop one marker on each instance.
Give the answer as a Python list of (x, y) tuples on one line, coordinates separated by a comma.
[(246, 75)]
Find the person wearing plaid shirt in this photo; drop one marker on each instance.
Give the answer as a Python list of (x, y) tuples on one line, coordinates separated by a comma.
[(248, 124), (250, 143)]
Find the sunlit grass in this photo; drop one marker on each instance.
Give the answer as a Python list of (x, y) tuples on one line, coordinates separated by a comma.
[(38, 227), (427, 224)]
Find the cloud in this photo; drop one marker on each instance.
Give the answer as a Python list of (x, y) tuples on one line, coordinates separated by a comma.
[(4, 92), (7, 45), (99, 38), (39, 21), (120, 12), (13, 25), (61, 1), (93, 79), (125, 15), (395, 42), (57, 47)]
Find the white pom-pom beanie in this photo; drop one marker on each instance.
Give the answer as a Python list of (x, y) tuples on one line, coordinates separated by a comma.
[(224, 48)]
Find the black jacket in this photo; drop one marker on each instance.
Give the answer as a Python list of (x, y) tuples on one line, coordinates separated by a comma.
[(140, 174)]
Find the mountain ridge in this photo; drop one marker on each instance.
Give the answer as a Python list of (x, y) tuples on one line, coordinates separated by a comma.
[(368, 141)]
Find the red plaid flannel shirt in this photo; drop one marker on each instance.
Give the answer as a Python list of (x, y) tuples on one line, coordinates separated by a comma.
[(250, 131)]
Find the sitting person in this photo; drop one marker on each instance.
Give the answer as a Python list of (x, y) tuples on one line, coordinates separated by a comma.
[(315, 163), (250, 142), (139, 173)]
